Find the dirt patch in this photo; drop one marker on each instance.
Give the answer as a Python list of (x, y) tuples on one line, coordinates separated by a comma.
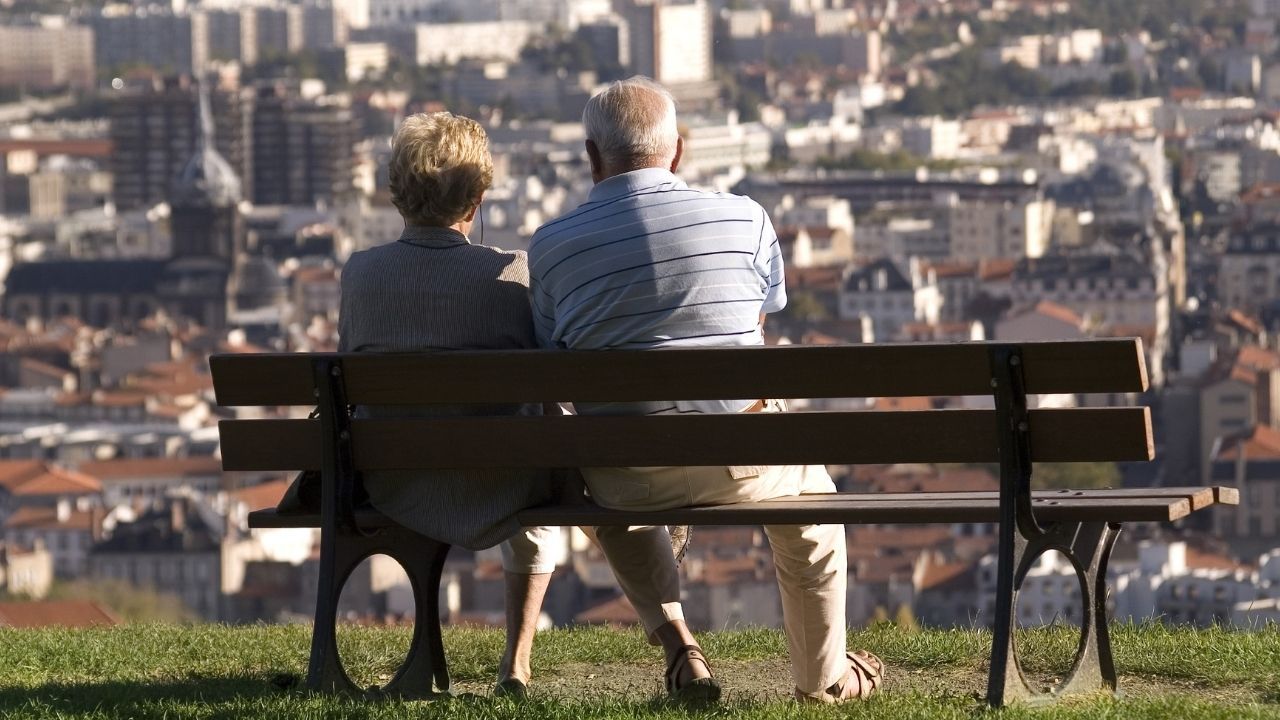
[(770, 680)]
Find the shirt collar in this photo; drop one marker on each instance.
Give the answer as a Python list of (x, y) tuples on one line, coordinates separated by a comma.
[(433, 237), (627, 183)]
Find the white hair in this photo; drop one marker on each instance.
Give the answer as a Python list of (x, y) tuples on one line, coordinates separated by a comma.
[(633, 123)]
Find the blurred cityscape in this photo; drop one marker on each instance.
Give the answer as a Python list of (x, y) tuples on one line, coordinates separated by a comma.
[(184, 178)]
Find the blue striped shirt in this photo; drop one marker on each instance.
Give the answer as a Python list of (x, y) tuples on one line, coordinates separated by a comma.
[(648, 262)]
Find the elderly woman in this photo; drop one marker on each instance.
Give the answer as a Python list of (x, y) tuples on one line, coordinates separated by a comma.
[(433, 289)]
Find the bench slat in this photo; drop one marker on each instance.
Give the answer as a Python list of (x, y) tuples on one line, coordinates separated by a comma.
[(1197, 498), (1090, 434), (820, 509), (951, 369)]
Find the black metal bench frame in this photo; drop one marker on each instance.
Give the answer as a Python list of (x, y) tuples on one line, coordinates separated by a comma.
[(1075, 521)]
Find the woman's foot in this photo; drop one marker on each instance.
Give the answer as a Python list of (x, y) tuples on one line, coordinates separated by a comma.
[(512, 689), (689, 679), (864, 677)]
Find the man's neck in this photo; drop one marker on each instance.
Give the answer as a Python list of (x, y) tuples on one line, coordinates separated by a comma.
[(612, 171)]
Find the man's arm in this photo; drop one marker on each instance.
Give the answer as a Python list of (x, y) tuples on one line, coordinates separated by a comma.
[(769, 265)]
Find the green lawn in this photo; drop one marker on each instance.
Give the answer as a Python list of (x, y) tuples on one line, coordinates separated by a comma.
[(223, 672)]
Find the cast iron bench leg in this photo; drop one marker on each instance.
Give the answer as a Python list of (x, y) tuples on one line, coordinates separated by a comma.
[(1088, 546), (424, 673)]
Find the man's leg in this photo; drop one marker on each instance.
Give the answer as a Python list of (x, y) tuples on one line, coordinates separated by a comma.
[(528, 559), (812, 569), (641, 558)]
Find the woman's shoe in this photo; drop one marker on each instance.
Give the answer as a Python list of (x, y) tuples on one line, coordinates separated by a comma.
[(511, 689)]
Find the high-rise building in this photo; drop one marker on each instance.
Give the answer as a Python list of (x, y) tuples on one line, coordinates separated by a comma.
[(154, 132), (225, 34), (51, 55), (303, 147), (126, 37), (279, 30), (324, 25), (670, 39)]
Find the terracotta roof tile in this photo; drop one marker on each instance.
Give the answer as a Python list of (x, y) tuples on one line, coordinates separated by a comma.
[(617, 611), (1059, 312), (129, 468), (46, 518), (1262, 444), (940, 574), (35, 477), (48, 613)]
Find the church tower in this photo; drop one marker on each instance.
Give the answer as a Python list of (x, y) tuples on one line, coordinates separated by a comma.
[(205, 220), (207, 231)]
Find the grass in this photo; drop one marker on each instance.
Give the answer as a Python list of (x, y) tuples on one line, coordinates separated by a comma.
[(208, 671)]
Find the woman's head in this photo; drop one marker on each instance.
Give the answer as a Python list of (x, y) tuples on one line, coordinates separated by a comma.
[(440, 168)]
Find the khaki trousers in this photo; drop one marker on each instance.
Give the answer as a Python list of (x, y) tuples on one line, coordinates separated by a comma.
[(810, 560)]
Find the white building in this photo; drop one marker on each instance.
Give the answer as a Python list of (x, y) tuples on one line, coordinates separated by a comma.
[(450, 42), (1014, 228), (714, 147), (931, 137), (881, 292)]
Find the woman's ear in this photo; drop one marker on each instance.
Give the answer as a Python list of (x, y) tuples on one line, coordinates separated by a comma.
[(471, 214)]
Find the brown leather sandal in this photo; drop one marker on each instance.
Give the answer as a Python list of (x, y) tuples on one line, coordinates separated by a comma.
[(696, 690), (864, 678)]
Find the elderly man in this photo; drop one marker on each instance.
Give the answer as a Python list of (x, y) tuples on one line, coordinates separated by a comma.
[(648, 262)]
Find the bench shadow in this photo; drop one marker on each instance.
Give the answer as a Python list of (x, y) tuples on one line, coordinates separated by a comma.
[(129, 698)]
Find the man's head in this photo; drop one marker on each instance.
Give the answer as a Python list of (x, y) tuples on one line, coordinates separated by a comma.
[(631, 125), (440, 168)]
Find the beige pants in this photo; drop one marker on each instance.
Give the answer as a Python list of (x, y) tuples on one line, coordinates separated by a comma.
[(810, 559)]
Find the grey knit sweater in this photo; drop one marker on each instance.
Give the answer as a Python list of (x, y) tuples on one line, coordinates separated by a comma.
[(434, 290)]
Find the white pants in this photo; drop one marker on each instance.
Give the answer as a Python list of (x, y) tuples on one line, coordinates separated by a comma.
[(811, 560), (532, 551)]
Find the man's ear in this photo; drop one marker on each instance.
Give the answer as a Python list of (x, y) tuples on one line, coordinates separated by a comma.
[(596, 159), (675, 161)]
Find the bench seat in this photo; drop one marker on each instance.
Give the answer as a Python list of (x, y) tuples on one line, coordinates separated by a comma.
[(1123, 505)]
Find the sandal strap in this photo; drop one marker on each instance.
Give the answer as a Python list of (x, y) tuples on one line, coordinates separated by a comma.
[(869, 670), (682, 658)]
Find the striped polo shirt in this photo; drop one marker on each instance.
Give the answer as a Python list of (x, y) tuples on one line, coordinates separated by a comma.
[(648, 262)]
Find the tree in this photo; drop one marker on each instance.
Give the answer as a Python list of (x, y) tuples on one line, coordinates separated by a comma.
[(128, 602), (805, 307), (1077, 476), (905, 619), (1123, 82)]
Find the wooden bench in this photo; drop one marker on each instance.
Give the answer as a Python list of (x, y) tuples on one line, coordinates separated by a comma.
[(1083, 524)]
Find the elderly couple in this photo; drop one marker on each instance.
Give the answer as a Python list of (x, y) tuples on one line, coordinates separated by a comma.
[(645, 262)]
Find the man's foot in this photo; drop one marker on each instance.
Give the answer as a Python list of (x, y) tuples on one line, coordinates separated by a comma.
[(864, 677), (686, 682)]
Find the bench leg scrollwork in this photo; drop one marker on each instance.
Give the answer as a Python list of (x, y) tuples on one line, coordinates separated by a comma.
[(1022, 540), (344, 545), (424, 673)]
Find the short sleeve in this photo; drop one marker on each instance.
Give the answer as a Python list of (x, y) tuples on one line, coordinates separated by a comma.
[(769, 265)]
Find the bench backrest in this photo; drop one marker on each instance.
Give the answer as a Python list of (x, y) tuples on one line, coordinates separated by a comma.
[(846, 437)]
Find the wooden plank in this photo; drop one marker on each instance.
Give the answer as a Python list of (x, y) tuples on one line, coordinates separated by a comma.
[(857, 511), (1226, 495), (1197, 498), (844, 508), (1087, 366), (1093, 434), (262, 379)]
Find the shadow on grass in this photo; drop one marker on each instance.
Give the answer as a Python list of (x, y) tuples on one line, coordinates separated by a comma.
[(129, 698)]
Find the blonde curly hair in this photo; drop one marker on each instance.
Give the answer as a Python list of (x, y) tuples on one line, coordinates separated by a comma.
[(440, 168)]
